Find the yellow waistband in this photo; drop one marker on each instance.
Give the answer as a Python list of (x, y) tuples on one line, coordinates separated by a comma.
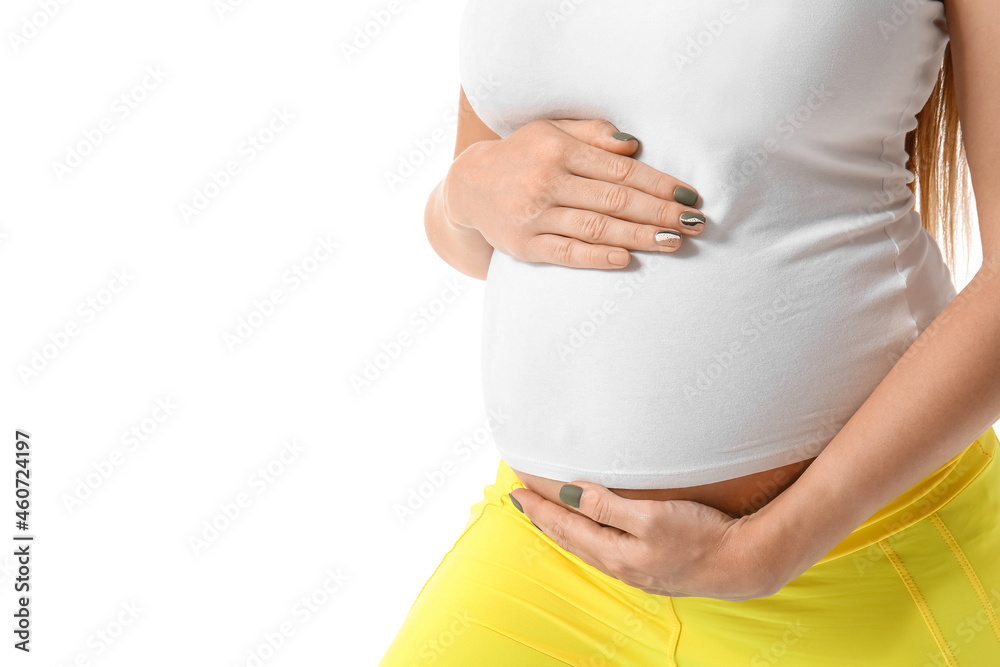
[(923, 498)]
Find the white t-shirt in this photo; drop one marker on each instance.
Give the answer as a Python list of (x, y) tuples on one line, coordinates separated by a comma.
[(752, 345)]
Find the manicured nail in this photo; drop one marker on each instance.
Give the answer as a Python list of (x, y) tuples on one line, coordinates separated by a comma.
[(516, 504), (692, 219), (668, 238), (536, 525), (570, 495), (685, 196), (623, 136)]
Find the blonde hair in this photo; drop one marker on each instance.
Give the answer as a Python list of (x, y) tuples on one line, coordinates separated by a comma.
[(937, 158)]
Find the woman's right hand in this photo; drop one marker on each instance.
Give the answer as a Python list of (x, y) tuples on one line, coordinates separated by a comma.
[(565, 192)]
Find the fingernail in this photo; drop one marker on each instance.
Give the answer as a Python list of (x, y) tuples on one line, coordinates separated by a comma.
[(570, 495), (623, 136), (516, 504), (668, 238), (619, 257), (685, 196), (692, 219), (535, 525)]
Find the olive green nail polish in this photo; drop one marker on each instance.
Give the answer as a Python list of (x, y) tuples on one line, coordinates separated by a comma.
[(535, 525), (570, 495), (516, 504), (685, 196), (623, 136), (692, 219)]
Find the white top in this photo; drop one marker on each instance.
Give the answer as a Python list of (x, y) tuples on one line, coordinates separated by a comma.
[(752, 345)]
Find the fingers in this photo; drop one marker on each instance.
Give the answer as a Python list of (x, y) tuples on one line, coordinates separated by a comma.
[(600, 133), (573, 253), (602, 547), (594, 163), (629, 203), (599, 228), (602, 157), (606, 507), (612, 199), (599, 203)]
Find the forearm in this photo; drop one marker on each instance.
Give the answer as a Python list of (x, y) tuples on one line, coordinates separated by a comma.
[(942, 394), (462, 247)]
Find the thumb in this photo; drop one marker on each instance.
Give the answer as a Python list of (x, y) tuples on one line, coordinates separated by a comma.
[(600, 133), (605, 506)]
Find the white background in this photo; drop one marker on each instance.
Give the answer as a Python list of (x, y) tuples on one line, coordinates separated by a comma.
[(188, 283), (115, 516)]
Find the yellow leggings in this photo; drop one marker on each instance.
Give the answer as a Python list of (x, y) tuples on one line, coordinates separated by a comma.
[(917, 585)]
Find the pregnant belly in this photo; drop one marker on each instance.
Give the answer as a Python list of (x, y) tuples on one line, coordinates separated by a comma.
[(716, 378), (737, 496)]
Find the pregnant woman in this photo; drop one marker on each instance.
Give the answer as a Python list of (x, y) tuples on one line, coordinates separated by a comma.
[(746, 418)]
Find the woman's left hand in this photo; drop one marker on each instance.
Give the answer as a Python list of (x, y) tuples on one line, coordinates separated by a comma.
[(677, 548)]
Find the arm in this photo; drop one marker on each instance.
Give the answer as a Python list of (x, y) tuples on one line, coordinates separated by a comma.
[(944, 392), (464, 248)]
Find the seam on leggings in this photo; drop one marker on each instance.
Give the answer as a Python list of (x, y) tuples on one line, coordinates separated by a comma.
[(522, 644), (977, 585), (675, 635), (983, 449), (468, 527), (920, 601), (966, 484)]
